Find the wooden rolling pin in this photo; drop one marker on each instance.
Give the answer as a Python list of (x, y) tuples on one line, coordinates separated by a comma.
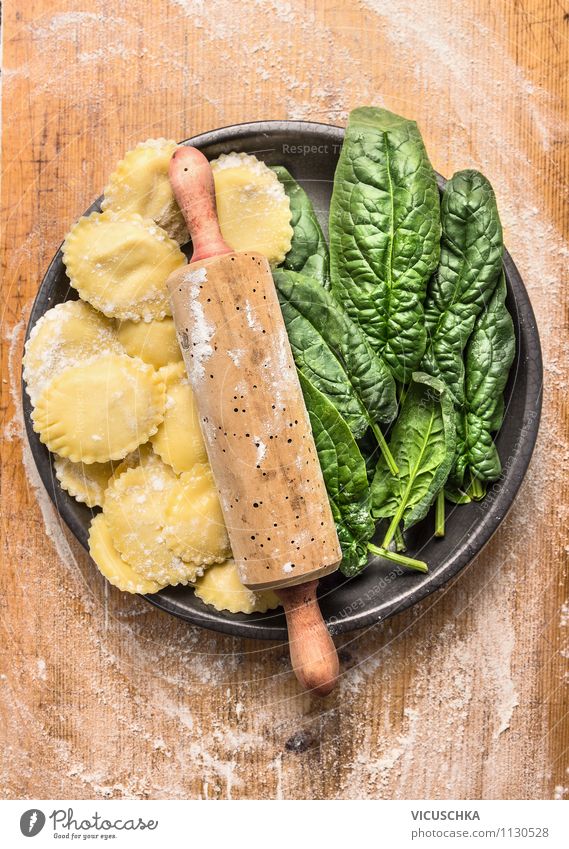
[(254, 421)]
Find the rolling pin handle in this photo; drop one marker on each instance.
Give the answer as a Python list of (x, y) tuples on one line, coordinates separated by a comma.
[(312, 650), (191, 179)]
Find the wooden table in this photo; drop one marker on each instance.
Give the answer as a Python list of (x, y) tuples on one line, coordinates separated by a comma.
[(465, 695)]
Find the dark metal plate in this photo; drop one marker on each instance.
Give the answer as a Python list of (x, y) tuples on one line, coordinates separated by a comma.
[(310, 152)]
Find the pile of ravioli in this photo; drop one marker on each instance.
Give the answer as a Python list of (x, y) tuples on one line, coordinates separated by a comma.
[(108, 385)]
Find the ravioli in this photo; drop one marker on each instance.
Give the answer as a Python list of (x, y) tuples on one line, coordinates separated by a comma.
[(141, 456), (65, 335), (110, 563), (155, 342), (101, 410), (110, 393), (86, 483), (140, 184), (194, 527), (179, 440), (135, 509), (120, 264), (221, 588), (252, 206)]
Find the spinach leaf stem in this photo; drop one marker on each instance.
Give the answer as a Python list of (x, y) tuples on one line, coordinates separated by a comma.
[(392, 465), (402, 560), (477, 490), (440, 514), (399, 541)]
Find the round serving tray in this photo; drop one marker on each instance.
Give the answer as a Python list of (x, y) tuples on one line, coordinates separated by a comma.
[(310, 152)]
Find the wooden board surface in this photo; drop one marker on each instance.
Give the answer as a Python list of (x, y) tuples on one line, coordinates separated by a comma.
[(464, 696)]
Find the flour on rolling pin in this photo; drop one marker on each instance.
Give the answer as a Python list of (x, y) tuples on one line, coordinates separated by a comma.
[(254, 420)]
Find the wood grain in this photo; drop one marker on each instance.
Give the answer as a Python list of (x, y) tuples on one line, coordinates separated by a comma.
[(465, 696)]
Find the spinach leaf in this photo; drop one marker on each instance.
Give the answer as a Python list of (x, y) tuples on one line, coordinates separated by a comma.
[(384, 234), (489, 355), (456, 495), (308, 251), (370, 451), (423, 443), (332, 352), (344, 472), (471, 260)]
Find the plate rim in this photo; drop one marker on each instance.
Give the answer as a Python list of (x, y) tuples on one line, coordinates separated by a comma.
[(255, 628)]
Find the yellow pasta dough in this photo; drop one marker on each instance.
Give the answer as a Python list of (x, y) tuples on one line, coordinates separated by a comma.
[(100, 410), (111, 564), (252, 206), (155, 342), (65, 335), (194, 527), (221, 588), (135, 507), (121, 264), (179, 440), (141, 456), (140, 184), (86, 484)]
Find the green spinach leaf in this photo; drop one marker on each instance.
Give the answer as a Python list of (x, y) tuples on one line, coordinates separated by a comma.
[(333, 353), (308, 251), (423, 443), (384, 234), (344, 472), (489, 355), (470, 265), (456, 495)]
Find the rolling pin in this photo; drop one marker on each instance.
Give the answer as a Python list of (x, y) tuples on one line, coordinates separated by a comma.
[(254, 422)]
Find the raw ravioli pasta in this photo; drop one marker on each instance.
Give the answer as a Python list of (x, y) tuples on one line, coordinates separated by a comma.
[(121, 264), (252, 206), (155, 342), (179, 440), (140, 184), (100, 410), (141, 456), (220, 586), (85, 483), (135, 506), (65, 335), (194, 527), (111, 564)]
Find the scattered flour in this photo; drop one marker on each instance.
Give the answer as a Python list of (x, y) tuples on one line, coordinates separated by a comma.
[(261, 450), (201, 331), (251, 318), (236, 356)]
